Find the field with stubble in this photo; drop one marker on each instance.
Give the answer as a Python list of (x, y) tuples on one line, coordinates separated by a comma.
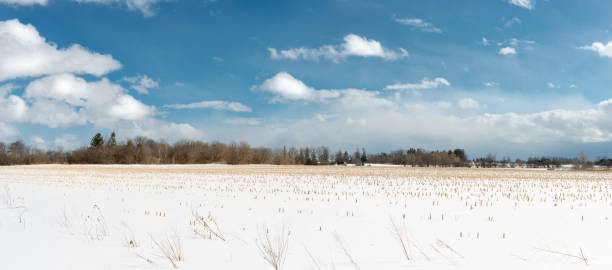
[(303, 217)]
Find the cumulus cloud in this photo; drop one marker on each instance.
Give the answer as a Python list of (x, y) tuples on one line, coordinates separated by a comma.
[(12, 108), (66, 142), (419, 24), (7, 88), (287, 88), (507, 51), (54, 113), (590, 125), (527, 4), (353, 45), (61, 99), (213, 104), (25, 53), (423, 85), (64, 99), (604, 50), (7, 130), (24, 2), (468, 103), (146, 7), (141, 83), (435, 128), (38, 142), (158, 129)]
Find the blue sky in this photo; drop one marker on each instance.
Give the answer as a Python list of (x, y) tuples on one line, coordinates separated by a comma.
[(513, 77)]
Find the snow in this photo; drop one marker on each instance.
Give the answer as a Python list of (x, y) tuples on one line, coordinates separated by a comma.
[(84, 217)]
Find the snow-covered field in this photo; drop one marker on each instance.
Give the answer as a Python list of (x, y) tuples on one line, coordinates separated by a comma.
[(219, 217)]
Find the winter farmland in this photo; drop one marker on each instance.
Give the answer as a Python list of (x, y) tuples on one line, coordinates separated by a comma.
[(298, 217)]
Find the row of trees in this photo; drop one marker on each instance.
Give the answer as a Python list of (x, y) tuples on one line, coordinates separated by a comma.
[(579, 162), (421, 157), (604, 162), (491, 161), (141, 150)]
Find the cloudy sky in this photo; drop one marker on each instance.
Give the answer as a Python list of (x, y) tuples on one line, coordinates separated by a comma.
[(512, 77)]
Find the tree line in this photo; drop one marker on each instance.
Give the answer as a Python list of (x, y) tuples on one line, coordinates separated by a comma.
[(142, 150), (578, 162)]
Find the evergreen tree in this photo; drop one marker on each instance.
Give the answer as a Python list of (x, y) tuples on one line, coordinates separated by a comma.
[(112, 141), (364, 157), (339, 157), (460, 153), (97, 141), (346, 157)]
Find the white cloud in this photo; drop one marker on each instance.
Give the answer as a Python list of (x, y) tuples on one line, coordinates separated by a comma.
[(7, 88), (66, 142), (321, 117), (512, 21), (217, 58), (64, 99), (54, 113), (589, 125), (61, 99), (444, 104), (141, 83), (490, 84), (485, 41), (357, 100), (419, 24), (146, 7), (38, 142), (25, 53), (353, 45), (603, 50), (507, 51), (573, 86), (552, 85), (7, 131), (287, 88), (24, 2), (509, 46), (158, 129), (433, 127), (423, 85), (12, 108), (468, 103), (241, 121), (213, 104), (126, 107), (514, 42), (527, 4)]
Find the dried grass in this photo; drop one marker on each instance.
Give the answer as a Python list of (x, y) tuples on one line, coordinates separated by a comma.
[(274, 248)]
